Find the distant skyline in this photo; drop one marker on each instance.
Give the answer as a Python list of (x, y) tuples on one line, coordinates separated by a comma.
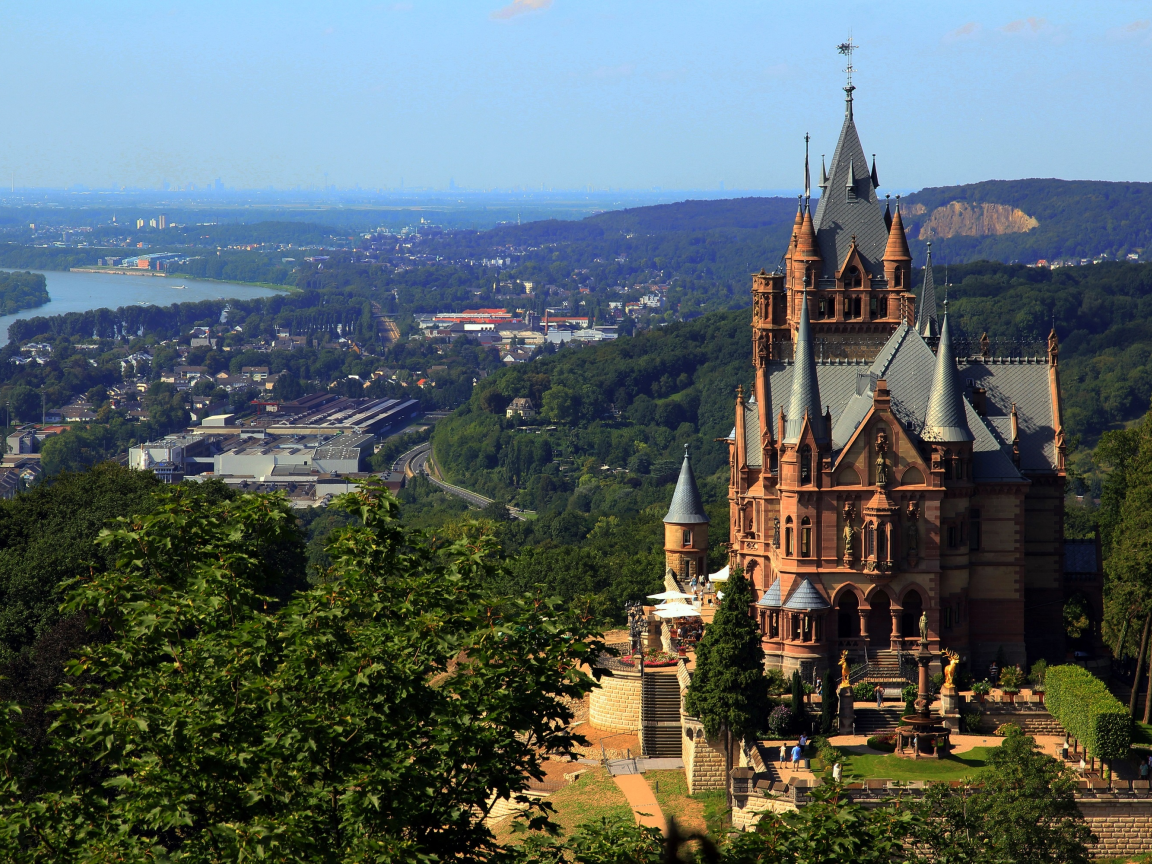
[(566, 94)]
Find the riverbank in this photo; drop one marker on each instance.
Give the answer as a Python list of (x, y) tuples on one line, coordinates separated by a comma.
[(134, 271)]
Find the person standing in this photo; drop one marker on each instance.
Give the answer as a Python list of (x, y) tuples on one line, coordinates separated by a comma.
[(878, 692), (796, 754), (783, 753), (836, 773)]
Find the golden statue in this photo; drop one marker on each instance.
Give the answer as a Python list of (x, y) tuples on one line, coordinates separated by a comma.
[(950, 669), (844, 673)]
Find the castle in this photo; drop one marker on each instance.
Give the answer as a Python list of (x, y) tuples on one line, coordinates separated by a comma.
[(878, 472)]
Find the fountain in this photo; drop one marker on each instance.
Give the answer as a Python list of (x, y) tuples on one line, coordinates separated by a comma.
[(921, 724)]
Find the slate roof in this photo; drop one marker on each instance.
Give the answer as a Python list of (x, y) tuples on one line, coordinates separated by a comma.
[(907, 363), (838, 218), (926, 314), (805, 396), (771, 597), (805, 597), (686, 507), (946, 419)]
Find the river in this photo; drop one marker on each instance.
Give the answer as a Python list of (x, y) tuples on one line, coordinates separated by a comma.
[(79, 292)]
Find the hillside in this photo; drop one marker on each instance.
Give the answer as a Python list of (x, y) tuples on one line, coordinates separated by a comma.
[(617, 415)]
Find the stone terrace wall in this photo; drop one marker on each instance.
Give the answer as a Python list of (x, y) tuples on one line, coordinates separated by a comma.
[(703, 759), (1031, 720), (614, 706)]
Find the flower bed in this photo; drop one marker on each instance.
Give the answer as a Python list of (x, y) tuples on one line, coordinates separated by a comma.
[(658, 658), (883, 743)]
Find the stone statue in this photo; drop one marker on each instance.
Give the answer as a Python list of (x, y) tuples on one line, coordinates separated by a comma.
[(950, 669), (849, 541), (881, 460), (913, 542), (923, 628), (844, 673)]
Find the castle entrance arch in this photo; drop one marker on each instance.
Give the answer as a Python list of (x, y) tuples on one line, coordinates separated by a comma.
[(879, 622)]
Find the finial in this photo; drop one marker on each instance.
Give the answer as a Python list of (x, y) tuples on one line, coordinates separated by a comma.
[(685, 451), (897, 203), (846, 49)]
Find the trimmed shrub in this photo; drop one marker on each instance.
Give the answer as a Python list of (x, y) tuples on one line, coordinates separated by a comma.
[(1090, 713), (883, 743)]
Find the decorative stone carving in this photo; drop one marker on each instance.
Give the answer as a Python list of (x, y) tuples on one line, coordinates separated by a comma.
[(882, 459)]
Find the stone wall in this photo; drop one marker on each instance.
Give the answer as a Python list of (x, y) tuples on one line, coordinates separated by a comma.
[(1031, 721), (703, 759), (1124, 828), (614, 706)]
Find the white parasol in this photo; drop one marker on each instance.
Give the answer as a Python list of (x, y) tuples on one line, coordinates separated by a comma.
[(670, 595), (676, 610)]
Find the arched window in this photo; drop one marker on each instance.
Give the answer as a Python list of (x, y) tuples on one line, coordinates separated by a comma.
[(805, 465), (773, 463), (776, 532), (882, 543), (853, 279), (898, 281), (855, 307), (805, 537), (686, 537), (848, 616), (788, 545), (869, 540)]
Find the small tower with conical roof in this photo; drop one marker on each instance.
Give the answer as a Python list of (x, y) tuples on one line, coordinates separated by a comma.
[(686, 529), (946, 422)]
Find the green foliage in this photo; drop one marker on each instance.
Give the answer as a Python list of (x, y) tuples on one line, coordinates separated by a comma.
[(22, 291), (982, 688), (1025, 813), (828, 701), (336, 725), (728, 691), (1037, 673), (798, 698), (1010, 679), (604, 841), (883, 743), (828, 830), (1087, 709), (781, 722), (777, 683), (864, 691), (46, 540)]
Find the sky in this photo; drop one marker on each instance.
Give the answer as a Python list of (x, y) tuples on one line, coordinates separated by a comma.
[(566, 94)]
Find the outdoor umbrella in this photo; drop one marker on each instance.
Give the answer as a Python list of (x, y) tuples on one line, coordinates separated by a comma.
[(670, 595)]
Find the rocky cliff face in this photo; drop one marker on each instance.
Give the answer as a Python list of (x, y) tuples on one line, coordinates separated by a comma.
[(960, 218)]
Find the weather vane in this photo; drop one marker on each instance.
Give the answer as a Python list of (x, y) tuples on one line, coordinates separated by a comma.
[(846, 48)]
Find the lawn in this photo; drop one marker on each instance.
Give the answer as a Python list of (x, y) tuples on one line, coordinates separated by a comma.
[(874, 766), (594, 796), (671, 790), (1142, 733)]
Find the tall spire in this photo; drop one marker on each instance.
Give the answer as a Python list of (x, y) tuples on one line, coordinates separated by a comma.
[(875, 176), (946, 419), (686, 507), (805, 386), (926, 317), (807, 175), (888, 211)]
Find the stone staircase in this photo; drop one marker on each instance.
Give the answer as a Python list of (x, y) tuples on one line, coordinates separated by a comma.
[(661, 731), (871, 720), (884, 668)]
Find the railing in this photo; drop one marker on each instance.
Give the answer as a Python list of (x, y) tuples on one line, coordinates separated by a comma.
[(909, 670)]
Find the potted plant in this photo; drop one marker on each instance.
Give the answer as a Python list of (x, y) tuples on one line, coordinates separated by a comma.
[(1039, 670), (1010, 682), (981, 689)]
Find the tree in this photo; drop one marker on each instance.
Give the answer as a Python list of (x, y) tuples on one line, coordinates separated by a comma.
[(1023, 813), (798, 700), (828, 702), (375, 717), (729, 692)]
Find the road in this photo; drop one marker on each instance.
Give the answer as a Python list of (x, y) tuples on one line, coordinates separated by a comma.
[(415, 461)]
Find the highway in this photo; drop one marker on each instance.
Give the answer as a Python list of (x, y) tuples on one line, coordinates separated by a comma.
[(415, 461)]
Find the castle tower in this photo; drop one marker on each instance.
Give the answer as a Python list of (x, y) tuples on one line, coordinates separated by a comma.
[(926, 322), (686, 529)]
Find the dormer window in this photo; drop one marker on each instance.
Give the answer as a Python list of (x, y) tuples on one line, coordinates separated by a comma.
[(853, 279)]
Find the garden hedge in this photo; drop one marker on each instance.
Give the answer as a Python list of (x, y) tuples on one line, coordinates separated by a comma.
[(1091, 714)]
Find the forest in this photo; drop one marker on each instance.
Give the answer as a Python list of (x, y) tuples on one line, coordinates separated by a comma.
[(21, 291)]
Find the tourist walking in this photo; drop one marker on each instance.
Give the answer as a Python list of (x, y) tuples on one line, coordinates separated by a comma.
[(796, 753), (783, 753), (878, 692), (836, 773)]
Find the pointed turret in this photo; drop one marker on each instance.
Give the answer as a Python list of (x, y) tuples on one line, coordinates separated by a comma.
[(926, 317), (875, 176), (805, 401), (823, 174), (686, 507), (888, 212), (897, 248), (849, 206), (946, 420)]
